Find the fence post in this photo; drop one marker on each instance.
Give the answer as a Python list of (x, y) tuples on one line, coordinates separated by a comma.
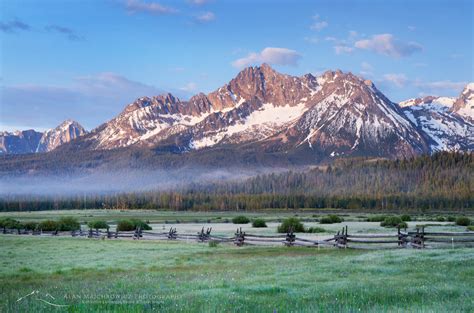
[(90, 233), (345, 238), (422, 237), (239, 237), (290, 237)]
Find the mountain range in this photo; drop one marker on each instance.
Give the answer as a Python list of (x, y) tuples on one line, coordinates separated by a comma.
[(315, 118)]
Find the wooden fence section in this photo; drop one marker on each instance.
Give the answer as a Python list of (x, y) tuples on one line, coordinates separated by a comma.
[(418, 239)]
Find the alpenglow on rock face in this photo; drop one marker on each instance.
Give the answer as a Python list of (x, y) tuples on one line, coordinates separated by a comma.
[(446, 123), (30, 141), (335, 114)]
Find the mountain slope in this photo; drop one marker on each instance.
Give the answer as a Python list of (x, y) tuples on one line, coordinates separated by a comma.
[(31, 141), (438, 120), (335, 114)]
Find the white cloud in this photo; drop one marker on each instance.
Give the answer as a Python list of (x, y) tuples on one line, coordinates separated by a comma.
[(189, 87), (91, 100), (135, 6), (343, 49), (198, 2), (279, 56), (386, 44), (318, 24), (311, 39), (205, 17), (366, 66), (399, 80), (353, 34), (437, 86)]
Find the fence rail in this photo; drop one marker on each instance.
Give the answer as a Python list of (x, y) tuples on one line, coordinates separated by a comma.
[(418, 239)]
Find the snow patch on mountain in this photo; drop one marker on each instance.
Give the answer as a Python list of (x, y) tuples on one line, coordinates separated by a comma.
[(257, 125)]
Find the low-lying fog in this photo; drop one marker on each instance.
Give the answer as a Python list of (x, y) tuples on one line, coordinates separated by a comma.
[(119, 181)]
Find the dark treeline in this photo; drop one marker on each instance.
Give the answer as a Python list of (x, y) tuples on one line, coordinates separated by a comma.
[(443, 181)]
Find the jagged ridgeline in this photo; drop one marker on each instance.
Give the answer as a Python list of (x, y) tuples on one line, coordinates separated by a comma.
[(442, 181), (260, 115)]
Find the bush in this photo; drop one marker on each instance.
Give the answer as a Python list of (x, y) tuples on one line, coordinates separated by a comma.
[(30, 225), (393, 221), (377, 218), (10, 223), (132, 224), (240, 220), (451, 219), (470, 228), (258, 223), (125, 225), (68, 224), (463, 221), (331, 219), (48, 225), (315, 230), (405, 218), (213, 243), (440, 219), (97, 224), (291, 222), (139, 223)]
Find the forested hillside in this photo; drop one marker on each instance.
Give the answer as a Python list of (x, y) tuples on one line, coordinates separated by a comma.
[(437, 182)]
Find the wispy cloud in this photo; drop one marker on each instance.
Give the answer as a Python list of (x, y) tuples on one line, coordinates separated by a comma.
[(387, 44), (136, 6), (68, 32), (318, 24), (205, 17), (13, 26), (198, 2), (435, 87), (189, 87), (343, 49), (398, 80), (279, 56), (90, 99), (311, 39)]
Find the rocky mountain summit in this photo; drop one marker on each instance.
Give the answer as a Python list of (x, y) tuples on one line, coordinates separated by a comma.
[(31, 141), (335, 114)]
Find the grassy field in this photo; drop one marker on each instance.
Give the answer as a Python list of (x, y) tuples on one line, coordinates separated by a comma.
[(88, 275)]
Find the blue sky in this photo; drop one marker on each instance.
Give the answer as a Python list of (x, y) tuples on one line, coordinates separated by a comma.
[(86, 59)]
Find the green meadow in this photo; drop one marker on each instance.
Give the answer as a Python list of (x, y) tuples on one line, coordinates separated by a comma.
[(62, 274)]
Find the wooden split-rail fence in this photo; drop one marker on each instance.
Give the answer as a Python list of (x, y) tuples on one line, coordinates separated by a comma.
[(418, 238)]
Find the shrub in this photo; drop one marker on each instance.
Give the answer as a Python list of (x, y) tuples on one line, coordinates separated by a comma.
[(315, 230), (470, 228), (377, 218), (451, 219), (258, 223), (291, 222), (30, 225), (405, 218), (10, 223), (68, 224), (97, 224), (240, 220), (132, 224), (463, 221), (440, 219), (331, 219), (125, 225), (213, 243), (139, 223), (48, 225), (393, 221)]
